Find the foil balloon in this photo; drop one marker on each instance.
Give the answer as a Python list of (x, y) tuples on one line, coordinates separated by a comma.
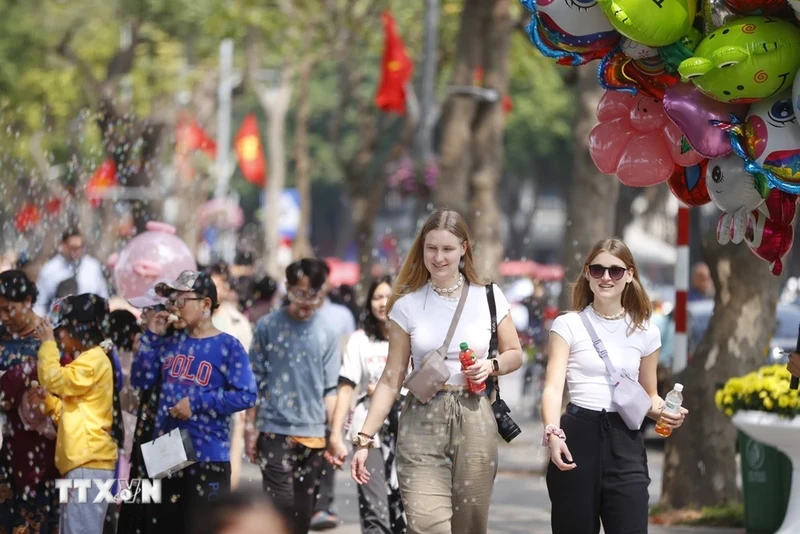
[(746, 60), (759, 7), (636, 141), (772, 140), (735, 193), (796, 93), (573, 32), (635, 50), (769, 232), (795, 5), (651, 22), (619, 72), (688, 184), (717, 13), (691, 112), (150, 256)]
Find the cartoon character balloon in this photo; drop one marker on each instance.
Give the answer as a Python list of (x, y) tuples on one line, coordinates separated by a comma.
[(746, 60), (736, 193), (772, 138), (688, 184), (651, 22), (691, 111), (759, 7), (572, 31), (636, 141), (769, 232), (150, 256), (619, 72)]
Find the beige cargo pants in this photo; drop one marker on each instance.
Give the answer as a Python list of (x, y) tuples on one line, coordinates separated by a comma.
[(446, 463)]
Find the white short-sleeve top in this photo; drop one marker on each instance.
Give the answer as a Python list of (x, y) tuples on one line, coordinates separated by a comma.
[(588, 382), (425, 316)]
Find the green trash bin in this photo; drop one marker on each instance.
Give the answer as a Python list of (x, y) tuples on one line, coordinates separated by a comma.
[(766, 481)]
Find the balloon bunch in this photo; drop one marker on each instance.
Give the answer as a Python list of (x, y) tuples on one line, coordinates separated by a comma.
[(703, 97)]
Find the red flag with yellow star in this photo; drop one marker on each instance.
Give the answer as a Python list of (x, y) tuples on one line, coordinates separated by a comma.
[(250, 153), (104, 177), (396, 70)]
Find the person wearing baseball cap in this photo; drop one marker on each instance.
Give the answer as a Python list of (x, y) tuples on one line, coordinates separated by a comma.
[(205, 377), (82, 397)]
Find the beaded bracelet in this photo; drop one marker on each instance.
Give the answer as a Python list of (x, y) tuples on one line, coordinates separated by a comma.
[(551, 430)]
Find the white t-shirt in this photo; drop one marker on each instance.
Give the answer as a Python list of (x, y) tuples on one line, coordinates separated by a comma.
[(363, 363), (588, 382), (425, 316)]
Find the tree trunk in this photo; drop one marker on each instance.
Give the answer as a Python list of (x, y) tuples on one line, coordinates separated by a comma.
[(487, 144), (593, 196), (302, 243), (699, 461), (275, 102)]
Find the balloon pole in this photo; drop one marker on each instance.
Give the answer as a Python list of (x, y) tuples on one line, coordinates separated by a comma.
[(680, 355)]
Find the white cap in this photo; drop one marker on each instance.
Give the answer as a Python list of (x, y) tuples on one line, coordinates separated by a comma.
[(678, 387)]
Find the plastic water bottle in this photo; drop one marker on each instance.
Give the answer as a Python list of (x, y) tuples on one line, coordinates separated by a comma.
[(672, 405), (468, 358)]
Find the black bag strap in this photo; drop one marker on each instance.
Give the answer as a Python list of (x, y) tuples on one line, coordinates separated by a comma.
[(493, 343)]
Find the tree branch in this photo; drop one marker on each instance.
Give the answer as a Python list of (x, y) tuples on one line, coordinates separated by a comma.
[(92, 86)]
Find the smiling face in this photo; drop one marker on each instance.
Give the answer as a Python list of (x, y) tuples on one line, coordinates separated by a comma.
[(605, 287), (442, 254), (773, 136)]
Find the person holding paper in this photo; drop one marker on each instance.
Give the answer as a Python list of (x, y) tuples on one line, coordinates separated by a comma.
[(82, 397), (205, 377)]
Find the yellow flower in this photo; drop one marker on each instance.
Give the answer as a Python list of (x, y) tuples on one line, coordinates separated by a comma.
[(783, 402), (768, 404), (728, 412)]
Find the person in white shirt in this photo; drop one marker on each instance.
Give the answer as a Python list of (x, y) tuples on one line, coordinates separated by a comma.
[(598, 466), (380, 506), (447, 447), (71, 262)]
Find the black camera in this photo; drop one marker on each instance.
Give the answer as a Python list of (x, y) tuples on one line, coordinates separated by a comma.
[(506, 426)]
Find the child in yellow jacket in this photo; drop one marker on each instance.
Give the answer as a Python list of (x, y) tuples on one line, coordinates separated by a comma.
[(83, 399)]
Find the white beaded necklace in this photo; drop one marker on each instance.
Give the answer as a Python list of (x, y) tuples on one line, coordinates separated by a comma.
[(447, 290), (614, 317)]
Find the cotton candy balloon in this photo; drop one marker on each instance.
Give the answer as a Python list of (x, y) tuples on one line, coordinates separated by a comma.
[(651, 22), (735, 193), (636, 141), (150, 256), (573, 32)]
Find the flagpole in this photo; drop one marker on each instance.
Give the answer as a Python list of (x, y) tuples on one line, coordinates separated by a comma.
[(428, 89), (225, 89)]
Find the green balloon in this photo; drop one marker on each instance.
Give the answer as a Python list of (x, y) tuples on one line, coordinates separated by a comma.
[(746, 60), (651, 22)]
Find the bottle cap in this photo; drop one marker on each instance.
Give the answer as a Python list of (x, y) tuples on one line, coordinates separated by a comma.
[(678, 387), (463, 346)]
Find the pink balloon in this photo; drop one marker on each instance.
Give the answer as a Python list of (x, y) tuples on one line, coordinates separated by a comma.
[(150, 256), (647, 115), (607, 142), (691, 112), (645, 162), (615, 104), (679, 148)]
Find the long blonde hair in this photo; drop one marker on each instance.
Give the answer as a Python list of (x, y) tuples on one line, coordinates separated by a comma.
[(413, 274), (634, 297)]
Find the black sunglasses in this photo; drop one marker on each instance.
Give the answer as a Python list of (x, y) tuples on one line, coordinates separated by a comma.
[(615, 272)]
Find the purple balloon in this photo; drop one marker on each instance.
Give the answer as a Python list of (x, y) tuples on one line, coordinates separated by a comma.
[(691, 110)]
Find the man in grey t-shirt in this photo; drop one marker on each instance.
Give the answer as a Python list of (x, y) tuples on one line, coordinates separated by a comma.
[(295, 360)]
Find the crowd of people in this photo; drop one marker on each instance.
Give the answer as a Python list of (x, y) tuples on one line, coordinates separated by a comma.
[(226, 365)]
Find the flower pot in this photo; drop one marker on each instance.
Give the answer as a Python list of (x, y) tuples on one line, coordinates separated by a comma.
[(783, 435)]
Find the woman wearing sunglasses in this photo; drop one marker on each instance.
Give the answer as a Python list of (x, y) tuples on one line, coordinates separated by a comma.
[(598, 466)]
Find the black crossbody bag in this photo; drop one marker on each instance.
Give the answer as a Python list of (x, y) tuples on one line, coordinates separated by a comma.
[(506, 426)]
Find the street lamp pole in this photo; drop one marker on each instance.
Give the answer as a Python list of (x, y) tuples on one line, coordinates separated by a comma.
[(428, 104), (224, 94)]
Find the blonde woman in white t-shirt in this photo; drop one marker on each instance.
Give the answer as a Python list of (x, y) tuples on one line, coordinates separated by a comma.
[(379, 502), (598, 467), (447, 448)]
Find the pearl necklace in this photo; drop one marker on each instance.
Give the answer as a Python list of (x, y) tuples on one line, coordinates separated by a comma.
[(614, 317), (447, 290)]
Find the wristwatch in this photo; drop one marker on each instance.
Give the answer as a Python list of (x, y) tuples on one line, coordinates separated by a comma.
[(495, 365), (363, 440)]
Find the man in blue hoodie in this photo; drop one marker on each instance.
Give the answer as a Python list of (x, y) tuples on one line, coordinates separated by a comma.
[(295, 359)]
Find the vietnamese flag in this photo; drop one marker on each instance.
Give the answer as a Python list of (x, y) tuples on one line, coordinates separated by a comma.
[(248, 149), (104, 177), (190, 136), (396, 70), (27, 217)]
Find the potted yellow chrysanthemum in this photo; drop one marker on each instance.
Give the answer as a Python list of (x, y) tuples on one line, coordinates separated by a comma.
[(765, 410)]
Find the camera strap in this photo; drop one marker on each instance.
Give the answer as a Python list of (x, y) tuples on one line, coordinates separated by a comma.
[(495, 383)]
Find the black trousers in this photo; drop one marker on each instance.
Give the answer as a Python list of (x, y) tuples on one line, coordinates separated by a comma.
[(326, 489), (183, 493), (610, 481), (291, 477)]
